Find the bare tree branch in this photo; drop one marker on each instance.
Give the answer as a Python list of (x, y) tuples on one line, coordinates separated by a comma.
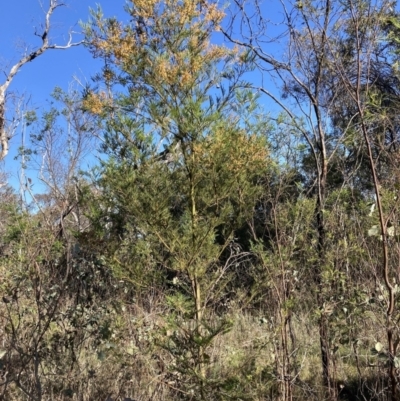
[(30, 56)]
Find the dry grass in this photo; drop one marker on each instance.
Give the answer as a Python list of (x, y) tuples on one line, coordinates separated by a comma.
[(122, 357)]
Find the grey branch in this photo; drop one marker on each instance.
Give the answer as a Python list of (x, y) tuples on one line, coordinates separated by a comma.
[(46, 45)]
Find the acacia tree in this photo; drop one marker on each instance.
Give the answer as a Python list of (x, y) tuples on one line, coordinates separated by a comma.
[(28, 56), (174, 211)]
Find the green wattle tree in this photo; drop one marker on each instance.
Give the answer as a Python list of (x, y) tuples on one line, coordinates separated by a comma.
[(184, 171)]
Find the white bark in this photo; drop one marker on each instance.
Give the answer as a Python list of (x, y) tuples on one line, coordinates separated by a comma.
[(29, 56)]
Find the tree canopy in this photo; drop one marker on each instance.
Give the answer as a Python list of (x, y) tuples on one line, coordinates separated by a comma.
[(216, 250)]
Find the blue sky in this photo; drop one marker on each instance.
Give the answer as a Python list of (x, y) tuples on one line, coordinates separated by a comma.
[(36, 80), (56, 67)]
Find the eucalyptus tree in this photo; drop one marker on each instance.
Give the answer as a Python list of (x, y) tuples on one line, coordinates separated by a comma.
[(335, 69), (303, 69), (29, 55)]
